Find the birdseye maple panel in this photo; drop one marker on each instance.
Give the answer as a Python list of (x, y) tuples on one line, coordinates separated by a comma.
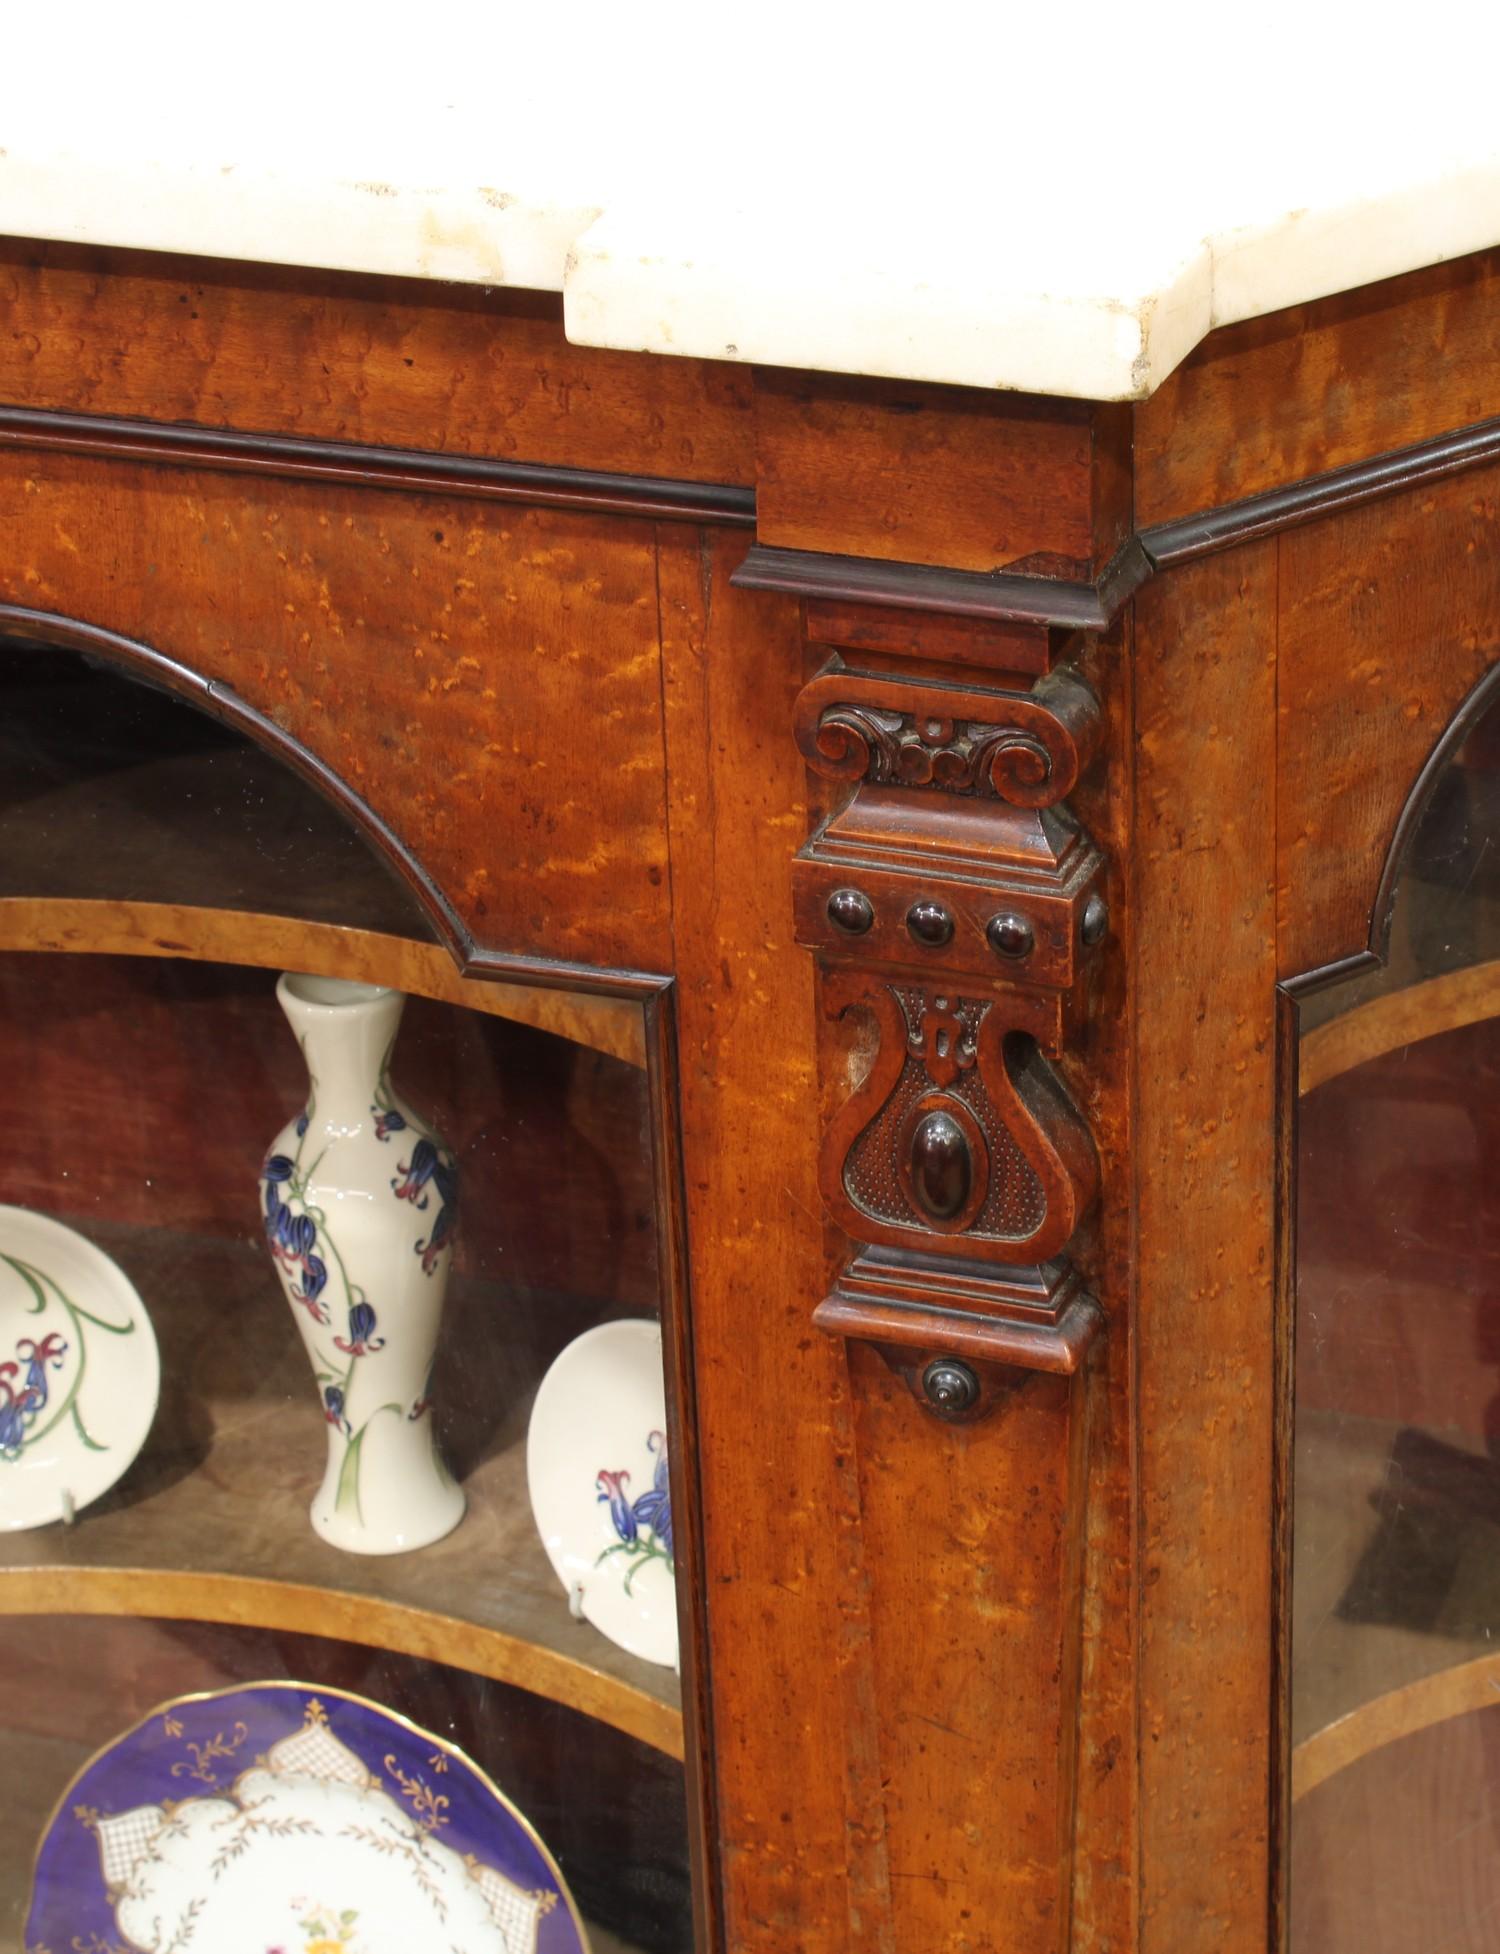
[(1374, 660), (486, 678), (1296, 393), (942, 475), (1205, 1168), (798, 1790), (396, 362)]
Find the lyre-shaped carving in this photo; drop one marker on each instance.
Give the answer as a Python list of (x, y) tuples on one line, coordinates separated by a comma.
[(959, 1129)]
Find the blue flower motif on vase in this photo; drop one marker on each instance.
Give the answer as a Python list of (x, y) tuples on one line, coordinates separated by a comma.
[(293, 1239), (333, 1408), (428, 1166), (361, 1339), (644, 1524)]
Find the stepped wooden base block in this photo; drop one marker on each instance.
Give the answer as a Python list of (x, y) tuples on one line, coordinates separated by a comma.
[(1033, 1319)]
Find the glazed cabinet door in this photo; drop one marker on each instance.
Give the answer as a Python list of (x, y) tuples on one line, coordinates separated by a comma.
[(342, 1507), (1394, 1679)]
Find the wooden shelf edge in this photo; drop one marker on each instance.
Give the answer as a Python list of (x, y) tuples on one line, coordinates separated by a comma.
[(613, 1025), (245, 1601), (1385, 1024), (1459, 1691)]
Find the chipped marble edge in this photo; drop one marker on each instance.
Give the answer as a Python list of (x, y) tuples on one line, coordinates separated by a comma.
[(716, 288)]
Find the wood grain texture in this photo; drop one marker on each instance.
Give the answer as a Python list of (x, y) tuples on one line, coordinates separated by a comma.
[(796, 1772), (1388, 616), (405, 1628), (139, 929), (1397, 1852), (403, 363), (1317, 386), (1204, 1186), (484, 678), (907, 635), (975, 1612), (1097, 1069), (940, 475)]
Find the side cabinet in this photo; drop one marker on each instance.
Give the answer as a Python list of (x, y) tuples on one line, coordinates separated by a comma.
[(864, 860)]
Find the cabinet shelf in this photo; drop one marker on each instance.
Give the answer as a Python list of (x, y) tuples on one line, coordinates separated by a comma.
[(268, 941), (211, 1522)]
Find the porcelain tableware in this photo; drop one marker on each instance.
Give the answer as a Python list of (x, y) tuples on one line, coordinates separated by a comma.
[(596, 1469), (279, 1818), (79, 1371)]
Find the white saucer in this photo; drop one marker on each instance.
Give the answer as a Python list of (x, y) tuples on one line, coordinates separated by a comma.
[(79, 1371), (596, 1470)]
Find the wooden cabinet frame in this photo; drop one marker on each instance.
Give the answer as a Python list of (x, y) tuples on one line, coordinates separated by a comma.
[(631, 667)]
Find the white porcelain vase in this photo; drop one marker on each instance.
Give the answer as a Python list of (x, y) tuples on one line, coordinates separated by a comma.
[(359, 1199)]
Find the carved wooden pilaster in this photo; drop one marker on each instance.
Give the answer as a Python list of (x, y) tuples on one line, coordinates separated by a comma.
[(954, 904)]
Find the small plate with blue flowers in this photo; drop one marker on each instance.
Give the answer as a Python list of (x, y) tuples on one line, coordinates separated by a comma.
[(597, 1471), (79, 1371)]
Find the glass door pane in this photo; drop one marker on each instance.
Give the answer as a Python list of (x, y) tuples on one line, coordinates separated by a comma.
[(1396, 1538), (272, 1585)]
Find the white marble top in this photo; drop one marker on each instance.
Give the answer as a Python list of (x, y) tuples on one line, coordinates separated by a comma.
[(1063, 200)]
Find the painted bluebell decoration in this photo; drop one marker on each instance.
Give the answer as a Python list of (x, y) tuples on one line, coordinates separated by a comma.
[(654, 1508), (293, 1238), (15, 1410), (37, 1357), (28, 1409), (20, 1408), (645, 1524), (428, 1164), (612, 1490), (361, 1339)]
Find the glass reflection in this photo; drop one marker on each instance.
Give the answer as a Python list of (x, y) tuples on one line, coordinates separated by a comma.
[(1396, 1543)]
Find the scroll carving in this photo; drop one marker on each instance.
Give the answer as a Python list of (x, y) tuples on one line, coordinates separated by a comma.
[(1025, 748)]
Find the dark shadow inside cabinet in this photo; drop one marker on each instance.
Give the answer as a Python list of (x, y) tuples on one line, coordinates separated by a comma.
[(155, 871)]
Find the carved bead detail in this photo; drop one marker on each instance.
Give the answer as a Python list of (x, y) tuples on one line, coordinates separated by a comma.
[(929, 924), (942, 1167), (851, 911), (1010, 936)]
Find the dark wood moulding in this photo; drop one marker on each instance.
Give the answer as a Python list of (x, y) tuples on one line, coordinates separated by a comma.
[(1004, 597), (361, 466), (995, 597)]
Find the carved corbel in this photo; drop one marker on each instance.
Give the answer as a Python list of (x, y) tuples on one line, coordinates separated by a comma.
[(954, 902)]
